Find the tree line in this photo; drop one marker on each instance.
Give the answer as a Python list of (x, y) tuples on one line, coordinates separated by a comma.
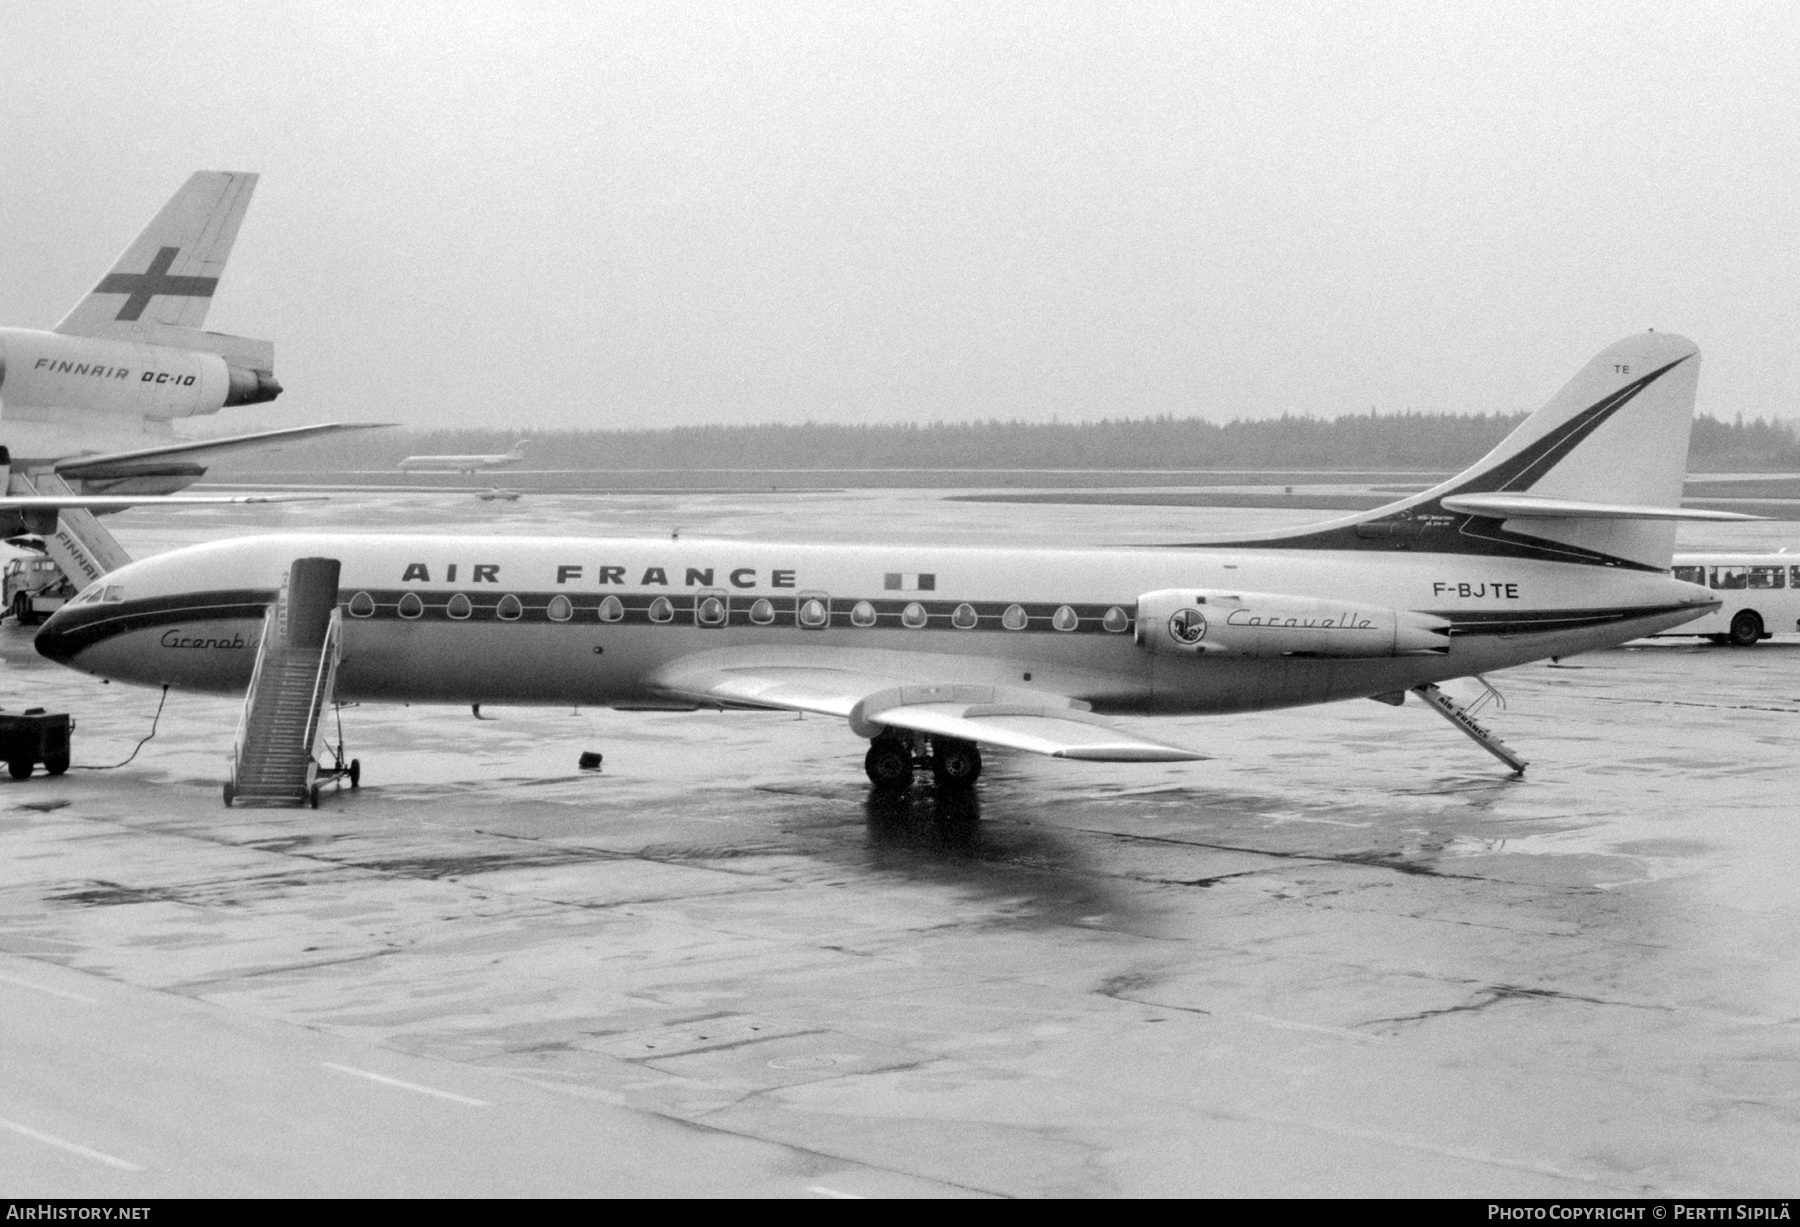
[(1401, 441)]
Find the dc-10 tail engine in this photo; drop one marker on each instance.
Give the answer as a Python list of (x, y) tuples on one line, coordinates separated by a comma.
[(1199, 620)]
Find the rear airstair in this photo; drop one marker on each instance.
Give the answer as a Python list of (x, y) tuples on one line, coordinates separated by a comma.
[(283, 756), (74, 539)]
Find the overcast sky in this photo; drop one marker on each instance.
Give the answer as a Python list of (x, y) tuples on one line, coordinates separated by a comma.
[(547, 215)]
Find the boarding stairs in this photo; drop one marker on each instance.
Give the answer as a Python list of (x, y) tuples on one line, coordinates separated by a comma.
[(1463, 717), (282, 755), (75, 539)]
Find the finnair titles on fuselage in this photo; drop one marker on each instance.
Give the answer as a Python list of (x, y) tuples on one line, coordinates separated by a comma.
[(1556, 543)]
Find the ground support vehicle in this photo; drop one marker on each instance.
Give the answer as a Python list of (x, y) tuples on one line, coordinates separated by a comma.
[(35, 736), (1759, 595)]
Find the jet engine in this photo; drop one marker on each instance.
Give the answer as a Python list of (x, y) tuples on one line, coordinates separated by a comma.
[(1253, 624)]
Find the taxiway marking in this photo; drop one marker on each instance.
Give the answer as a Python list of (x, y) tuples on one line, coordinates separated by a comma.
[(405, 1086), (54, 992), (76, 1148)]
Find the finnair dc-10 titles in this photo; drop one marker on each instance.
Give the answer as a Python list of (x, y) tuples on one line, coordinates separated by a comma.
[(1555, 543)]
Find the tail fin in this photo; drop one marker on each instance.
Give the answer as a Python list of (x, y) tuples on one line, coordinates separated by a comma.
[(168, 274), (1594, 476)]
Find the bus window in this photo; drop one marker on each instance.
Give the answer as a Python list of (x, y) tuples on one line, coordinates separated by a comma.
[(1724, 578), (1690, 575), (1767, 577), (1794, 577)]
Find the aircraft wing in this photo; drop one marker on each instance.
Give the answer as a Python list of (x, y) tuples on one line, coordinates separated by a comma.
[(115, 464), (118, 502), (872, 693)]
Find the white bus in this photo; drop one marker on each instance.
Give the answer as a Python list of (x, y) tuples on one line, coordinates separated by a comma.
[(1760, 595)]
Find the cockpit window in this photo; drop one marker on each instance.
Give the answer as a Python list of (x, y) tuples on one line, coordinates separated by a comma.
[(90, 593), (114, 592)]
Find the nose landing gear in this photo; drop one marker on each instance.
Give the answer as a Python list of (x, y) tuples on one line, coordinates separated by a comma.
[(894, 756)]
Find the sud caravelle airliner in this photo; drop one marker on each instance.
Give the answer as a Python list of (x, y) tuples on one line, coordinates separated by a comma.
[(1555, 543)]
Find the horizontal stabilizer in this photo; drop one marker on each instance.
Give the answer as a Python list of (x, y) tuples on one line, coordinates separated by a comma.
[(108, 464), (1531, 506)]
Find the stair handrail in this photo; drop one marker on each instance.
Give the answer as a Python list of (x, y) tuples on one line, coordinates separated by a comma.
[(323, 680), (262, 652)]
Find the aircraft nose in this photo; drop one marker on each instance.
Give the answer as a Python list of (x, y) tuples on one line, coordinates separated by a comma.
[(54, 639)]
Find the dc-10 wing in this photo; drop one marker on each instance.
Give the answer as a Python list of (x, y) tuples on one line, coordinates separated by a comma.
[(873, 693), (118, 502)]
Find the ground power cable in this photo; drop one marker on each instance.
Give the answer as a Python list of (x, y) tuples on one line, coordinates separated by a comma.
[(154, 720)]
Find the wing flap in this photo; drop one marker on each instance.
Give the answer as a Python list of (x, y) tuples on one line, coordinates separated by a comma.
[(1058, 733)]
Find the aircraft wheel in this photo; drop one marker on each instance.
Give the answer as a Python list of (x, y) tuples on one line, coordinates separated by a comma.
[(888, 763), (356, 773), (956, 764), (1746, 628)]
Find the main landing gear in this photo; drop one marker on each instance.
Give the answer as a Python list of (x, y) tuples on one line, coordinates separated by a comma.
[(894, 756)]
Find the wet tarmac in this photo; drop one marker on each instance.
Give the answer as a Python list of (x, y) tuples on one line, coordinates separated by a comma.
[(1346, 955)]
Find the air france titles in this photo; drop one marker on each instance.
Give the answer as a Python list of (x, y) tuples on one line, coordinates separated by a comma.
[(607, 575)]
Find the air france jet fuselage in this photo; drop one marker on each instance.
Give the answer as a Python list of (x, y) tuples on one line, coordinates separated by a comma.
[(1554, 544)]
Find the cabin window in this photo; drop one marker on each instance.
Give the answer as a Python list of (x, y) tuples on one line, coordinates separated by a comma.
[(612, 609), (763, 611), (1064, 619), (362, 605), (509, 608), (913, 615), (710, 611), (561, 608), (1014, 618), (459, 606), (1730, 578), (1116, 620), (862, 614), (411, 606), (813, 613), (1690, 575), (661, 610), (1767, 577), (964, 619)]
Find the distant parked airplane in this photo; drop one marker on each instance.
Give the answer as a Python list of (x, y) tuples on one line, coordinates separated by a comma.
[(464, 464)]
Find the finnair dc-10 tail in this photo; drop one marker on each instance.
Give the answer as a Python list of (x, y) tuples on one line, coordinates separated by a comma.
[(1557, 542)]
